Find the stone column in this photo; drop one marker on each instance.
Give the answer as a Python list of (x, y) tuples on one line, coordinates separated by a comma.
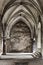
[(39, 37), (4, 44)]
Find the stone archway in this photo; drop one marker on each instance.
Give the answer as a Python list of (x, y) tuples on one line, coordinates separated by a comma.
[(29, 14)]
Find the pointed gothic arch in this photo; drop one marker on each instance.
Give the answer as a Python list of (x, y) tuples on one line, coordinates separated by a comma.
[(22, 12)]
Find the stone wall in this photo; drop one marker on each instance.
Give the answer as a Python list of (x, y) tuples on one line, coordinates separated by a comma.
[(20, 38)]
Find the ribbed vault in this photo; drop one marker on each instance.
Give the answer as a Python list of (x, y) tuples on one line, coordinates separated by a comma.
[(27, 11)]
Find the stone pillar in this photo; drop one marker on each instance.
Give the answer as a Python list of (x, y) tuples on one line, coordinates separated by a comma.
[(4, 45), (39, 37)]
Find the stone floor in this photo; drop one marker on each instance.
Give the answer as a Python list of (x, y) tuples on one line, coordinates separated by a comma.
[(11, 62)]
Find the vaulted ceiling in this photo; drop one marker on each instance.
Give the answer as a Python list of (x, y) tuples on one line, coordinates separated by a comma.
[(4, 2), (41, 4)]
